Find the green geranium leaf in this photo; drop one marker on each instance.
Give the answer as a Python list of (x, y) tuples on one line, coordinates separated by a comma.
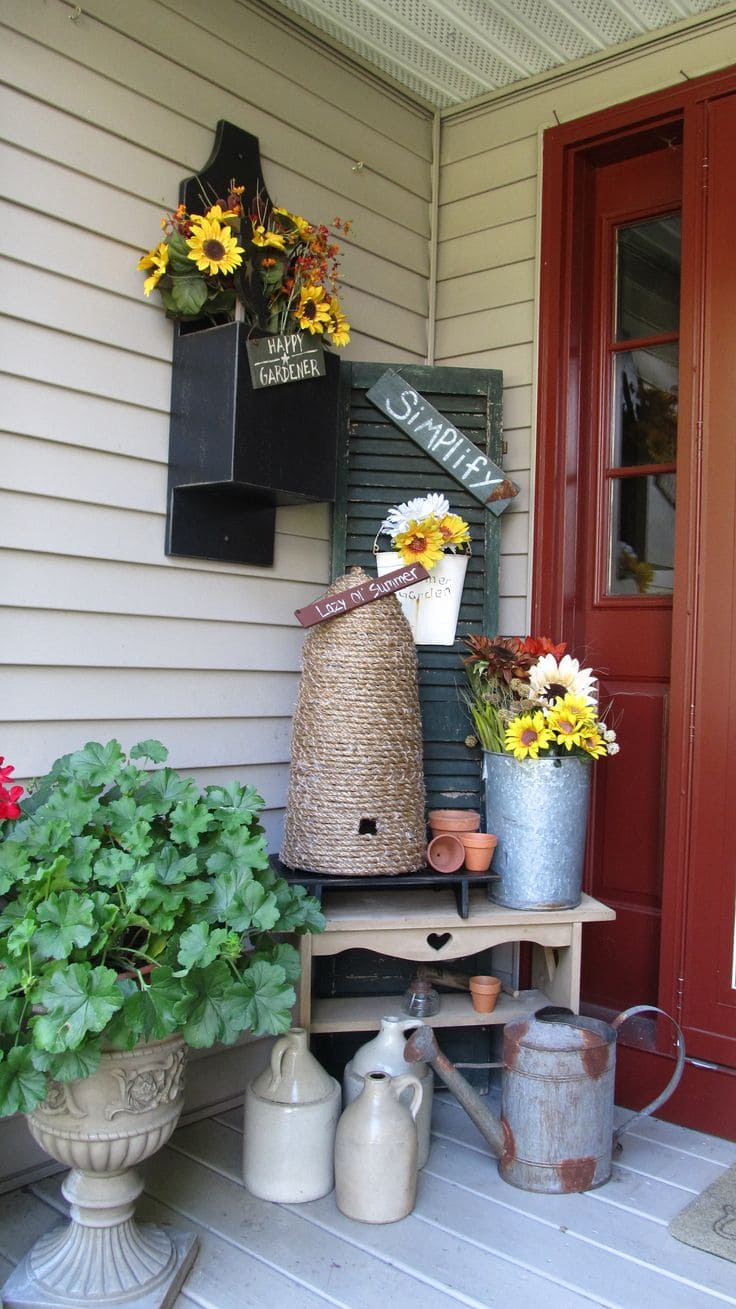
[(165, 789), (199, 947), (70, 1065), (22, 1086), (298, 911), (14, 864), (242, 800), (97, 765), (172, 867), (152, 750), (10, 977), (84, 849), (269, 999), (11, 1013), (213, 1008), (189, 293), (113, 867), (79, 999), (20, 935), (189, 819), (284, 955), (68, 921), (71, 803)]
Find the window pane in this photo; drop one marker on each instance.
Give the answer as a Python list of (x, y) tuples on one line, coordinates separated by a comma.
[(645, 406), (648, 278), (642, 549)]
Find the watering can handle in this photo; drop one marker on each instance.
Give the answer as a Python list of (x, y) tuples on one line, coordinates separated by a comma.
[(679, 1065)]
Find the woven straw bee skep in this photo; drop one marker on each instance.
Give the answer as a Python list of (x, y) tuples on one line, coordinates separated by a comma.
[(356, 788)]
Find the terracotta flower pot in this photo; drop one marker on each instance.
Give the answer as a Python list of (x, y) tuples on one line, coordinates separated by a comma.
[(453, 820), (479, 848), (446, 853), (484, 992)]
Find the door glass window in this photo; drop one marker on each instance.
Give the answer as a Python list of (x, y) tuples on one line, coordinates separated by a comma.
[(642, 470)]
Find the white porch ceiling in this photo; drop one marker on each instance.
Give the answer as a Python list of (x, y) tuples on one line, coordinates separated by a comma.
[(449, 51)]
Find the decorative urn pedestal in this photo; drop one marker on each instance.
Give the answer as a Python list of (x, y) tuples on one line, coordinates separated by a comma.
[(102, 1126)]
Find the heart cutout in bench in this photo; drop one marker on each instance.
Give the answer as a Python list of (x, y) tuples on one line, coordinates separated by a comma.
[(439, 942)]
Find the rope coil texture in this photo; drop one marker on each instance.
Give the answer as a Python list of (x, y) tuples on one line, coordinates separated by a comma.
[(356, 787)]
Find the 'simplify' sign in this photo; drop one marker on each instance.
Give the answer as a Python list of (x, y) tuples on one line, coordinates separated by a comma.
[(425, 425), (339, 603)]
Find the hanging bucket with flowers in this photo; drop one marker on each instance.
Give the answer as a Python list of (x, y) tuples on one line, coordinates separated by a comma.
[(535, 712), (425, 531)]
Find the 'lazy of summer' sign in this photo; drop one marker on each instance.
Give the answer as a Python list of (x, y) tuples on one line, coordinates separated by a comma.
[(425, 425), (340, 602)]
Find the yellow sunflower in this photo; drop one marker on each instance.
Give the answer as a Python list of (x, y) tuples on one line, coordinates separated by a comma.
[(340, 329), (421, 543), (302, 226), (527, 735), (313, 311), (566, 724), (262, 236), (455, 530), (213, 248), (158, 260), (214, 215), (593, 743)]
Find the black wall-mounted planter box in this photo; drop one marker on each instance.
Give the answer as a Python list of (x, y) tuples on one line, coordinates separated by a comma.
[(235, 452)]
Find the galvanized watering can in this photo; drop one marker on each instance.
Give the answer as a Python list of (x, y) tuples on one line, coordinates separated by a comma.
[(555, 1133)]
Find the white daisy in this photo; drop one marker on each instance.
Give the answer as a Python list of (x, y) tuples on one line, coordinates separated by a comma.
[(549, 679), (414, 511)]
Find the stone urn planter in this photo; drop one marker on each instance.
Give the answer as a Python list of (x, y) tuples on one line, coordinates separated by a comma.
[(102, 1126)]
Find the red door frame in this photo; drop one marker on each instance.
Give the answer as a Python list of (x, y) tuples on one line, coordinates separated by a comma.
[(705, 1099)]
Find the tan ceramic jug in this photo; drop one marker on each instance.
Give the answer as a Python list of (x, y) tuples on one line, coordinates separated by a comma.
[(385, 1054), (376, 1151), (291, 1114)]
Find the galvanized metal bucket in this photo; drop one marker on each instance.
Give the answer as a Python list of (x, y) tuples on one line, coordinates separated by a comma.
[(538, 809)]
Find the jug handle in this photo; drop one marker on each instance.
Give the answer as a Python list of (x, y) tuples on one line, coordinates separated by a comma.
[(280, 1049), (400, 1084), (679, 1064)]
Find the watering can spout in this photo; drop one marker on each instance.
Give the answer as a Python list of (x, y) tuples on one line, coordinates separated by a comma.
[(422, 1047)]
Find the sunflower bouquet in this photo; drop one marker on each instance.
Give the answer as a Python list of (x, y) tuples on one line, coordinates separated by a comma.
[(272, 268), (527, 697), (425, 528)]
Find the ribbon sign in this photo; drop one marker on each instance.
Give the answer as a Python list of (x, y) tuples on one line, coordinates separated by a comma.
[(474, 471), (362, 594)]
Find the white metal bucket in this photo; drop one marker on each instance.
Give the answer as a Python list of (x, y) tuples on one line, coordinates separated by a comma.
[(431, 607)]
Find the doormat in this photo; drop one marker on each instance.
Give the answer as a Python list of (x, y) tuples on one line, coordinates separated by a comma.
[(709, 1221)]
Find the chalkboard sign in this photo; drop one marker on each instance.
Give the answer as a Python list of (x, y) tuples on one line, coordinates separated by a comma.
[(340, 602), (291, 357), (463, 460)]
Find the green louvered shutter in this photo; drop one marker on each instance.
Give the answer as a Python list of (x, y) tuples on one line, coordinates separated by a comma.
[(379, 466)]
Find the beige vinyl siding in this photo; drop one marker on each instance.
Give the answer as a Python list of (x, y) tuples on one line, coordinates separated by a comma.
[(488, 239), (103, 113)]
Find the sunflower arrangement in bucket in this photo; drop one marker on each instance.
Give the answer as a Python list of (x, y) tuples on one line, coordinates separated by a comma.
[(274, 269), (529, 698), (422, 530)]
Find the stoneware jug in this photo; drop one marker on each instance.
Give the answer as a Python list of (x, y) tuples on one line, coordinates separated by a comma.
[(376, 1151), (385, 1054), (291, 1114)]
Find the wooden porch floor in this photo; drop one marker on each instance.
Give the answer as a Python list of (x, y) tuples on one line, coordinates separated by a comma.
[(472, 1239)]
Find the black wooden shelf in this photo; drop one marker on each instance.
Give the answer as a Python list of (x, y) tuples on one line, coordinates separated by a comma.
[(460, 882)]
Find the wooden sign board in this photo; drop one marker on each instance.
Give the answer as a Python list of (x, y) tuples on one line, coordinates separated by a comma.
[(342, 601), (291, 357), (474, 471)]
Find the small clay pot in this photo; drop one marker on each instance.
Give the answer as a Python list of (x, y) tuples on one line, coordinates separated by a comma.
[(479, 848), (446, 853), (453, 820), (484, 992)]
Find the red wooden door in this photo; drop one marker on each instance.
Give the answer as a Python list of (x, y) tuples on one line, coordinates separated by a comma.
[(625, 548), (664, 823)]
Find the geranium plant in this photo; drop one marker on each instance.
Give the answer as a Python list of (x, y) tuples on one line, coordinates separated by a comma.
[(529, 698), (133, 905), (280, 269), (425, 528)]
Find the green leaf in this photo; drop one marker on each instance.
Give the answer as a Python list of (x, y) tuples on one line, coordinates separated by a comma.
[(79, 999), (166, 788), (11, 1014), (282, 954), (20, 935), (114, 866), (70, 1065), (14, 864), (84, 849), (172, 867), (298, 912), (152, 750), (189, 294), (179, 261), (199, 947), (269, 999), (241, 800), (189, 819), (69, 921), (22, 1086), (213, 1008), (97, 765), (10, 978)]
